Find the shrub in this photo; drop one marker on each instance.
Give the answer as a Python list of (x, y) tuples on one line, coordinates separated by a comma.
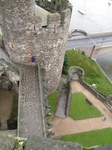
[(83, 53), (65, 65)]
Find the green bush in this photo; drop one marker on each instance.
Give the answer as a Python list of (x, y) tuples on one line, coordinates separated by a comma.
[(65, 65), (83, 53)]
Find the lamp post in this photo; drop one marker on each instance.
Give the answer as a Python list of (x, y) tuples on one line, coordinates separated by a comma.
[(93, 46)]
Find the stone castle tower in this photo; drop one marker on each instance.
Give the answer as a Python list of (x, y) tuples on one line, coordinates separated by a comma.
[(35, 40)]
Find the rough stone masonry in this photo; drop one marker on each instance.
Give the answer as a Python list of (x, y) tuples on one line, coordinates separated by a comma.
[(28, 43)]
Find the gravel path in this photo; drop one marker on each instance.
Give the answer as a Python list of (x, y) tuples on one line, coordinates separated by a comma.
[(68, 126)]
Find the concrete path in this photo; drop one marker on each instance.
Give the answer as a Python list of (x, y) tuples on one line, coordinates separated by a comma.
[(68, 126)]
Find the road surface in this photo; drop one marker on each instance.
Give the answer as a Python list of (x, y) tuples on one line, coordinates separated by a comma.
[(88, 42)]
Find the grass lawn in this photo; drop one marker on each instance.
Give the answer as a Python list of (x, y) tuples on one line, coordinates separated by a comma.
[(52, 102), (92, 138), (93, 74), (80, 109)]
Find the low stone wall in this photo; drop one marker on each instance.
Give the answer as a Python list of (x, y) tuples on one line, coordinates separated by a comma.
[(74, 74), (92, 52), (58, 97), (87, 50), (104, 147), (93, 91), (9, 142), (68, 100), (35, 142), (77, 74)]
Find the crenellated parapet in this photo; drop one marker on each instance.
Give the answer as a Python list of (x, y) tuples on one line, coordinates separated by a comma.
[(53, 5)]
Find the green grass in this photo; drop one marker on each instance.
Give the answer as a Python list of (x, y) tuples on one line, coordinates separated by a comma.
[(93, 74), (92, 138), (0, 36), (52, 102), (80, 109)]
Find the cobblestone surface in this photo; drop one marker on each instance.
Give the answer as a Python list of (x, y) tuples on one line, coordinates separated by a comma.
[(30, 116)]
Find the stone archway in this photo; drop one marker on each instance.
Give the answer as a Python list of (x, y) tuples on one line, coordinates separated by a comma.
[(78, 33)]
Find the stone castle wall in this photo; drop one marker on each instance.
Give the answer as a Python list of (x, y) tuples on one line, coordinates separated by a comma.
[(25, 37), (34, 47)]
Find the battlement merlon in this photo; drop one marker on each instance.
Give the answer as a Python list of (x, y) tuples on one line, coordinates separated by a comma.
[(54, 5), (49, 17)]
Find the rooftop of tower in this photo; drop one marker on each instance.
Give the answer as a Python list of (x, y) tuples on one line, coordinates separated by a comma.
[(44, 7), (53, 5)]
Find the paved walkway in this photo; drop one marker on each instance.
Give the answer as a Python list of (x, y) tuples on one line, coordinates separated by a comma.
[(68, 126), (30, 106)]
